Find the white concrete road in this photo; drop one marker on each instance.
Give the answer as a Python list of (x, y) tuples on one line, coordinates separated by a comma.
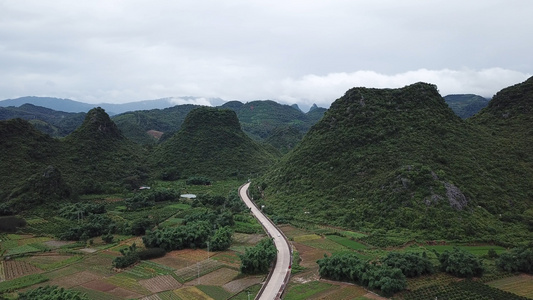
[(276, 284)]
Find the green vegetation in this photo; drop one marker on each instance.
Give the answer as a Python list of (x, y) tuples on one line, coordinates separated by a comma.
[(517, 260), (211, 143), (349, 267), (52, 293), (466, 105), (21, 282), (461, 263), (401, 160), (257, 259)]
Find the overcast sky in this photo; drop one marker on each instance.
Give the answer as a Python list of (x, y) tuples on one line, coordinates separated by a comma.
[(300, 51)]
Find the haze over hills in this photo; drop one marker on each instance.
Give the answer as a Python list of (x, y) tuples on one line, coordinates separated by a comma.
[(68, 105), (400, 158)]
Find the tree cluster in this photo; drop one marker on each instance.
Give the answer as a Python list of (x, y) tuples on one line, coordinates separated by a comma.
[(79, 210), (517, 260), (257, 259), (411, 264), (348, 267), (128, 258), (461, 263), (192, 235)]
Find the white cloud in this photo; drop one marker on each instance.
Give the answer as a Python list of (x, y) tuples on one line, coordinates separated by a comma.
[(324, 89), (292, 51), (190, 100)]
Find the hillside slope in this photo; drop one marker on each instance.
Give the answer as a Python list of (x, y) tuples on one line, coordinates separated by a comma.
[(98, 157), (392, 158), (211, 143)]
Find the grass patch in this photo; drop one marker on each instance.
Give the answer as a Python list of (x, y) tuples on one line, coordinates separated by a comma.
[(22, 249), (180, 206), (244, 227), (21, 282), (306, 237), (346, 242), (215, 292), (252, 290), (191, 293), (306, 290), (168, 295), (325, 244)]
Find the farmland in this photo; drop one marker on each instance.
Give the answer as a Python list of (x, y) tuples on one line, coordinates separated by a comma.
[(37, 259)]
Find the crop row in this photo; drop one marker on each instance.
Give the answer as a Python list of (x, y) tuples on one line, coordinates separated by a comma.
[(466, 289)]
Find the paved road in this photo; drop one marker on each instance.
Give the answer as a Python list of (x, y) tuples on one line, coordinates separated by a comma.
[(274, 286)]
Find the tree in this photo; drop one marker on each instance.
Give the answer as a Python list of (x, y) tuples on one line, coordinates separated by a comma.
[(128, 258), (221, 240), (257, 259), (411, 264), (461, 263), (517, 260)]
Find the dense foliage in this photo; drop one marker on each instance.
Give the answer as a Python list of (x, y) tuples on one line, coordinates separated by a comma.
[(52, 293), (129, 256), (466, 105), (192, 235), (348, 267), (411, 264), (258, 259), (461, 263), (400, 158), (517, 260)]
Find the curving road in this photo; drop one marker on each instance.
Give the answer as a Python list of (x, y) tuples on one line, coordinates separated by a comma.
[(273, 288)]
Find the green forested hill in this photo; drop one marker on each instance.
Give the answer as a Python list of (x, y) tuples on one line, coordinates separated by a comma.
[(136, 124), (97, 156), (211, 143), (25, 151), (397, 158), (52, 122), (466, 105)]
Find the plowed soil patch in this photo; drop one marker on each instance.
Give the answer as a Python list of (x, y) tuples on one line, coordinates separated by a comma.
[(123, 293), (14, 269), (99, 285), (173, 262), (237, 286), (74, 279), (309, 255), (218, 277), (160, 283)]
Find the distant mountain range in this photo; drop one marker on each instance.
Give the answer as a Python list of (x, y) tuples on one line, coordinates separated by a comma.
[(67, 105)]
